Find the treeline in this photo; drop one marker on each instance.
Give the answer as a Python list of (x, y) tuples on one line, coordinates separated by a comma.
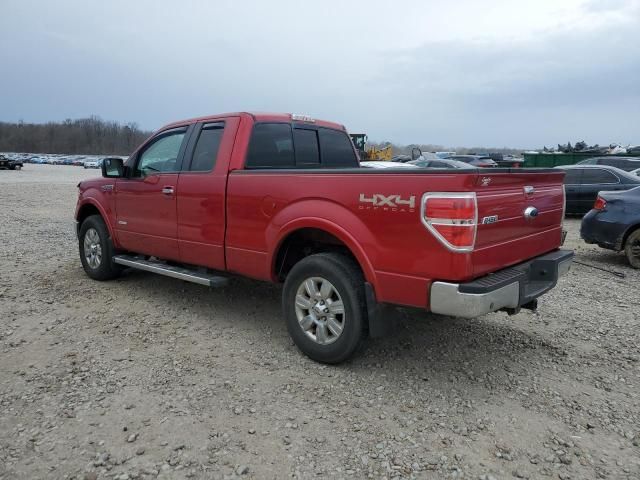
[(83, 136), (406, 149)]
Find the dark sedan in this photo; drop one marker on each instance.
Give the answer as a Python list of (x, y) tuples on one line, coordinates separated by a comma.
[(614, 223), (475, 160), (583, 182), (623, 163)]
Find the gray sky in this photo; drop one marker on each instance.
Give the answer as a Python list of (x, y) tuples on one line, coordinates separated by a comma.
[(458, 73)]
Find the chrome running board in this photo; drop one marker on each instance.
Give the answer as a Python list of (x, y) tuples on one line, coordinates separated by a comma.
[(182, 273)]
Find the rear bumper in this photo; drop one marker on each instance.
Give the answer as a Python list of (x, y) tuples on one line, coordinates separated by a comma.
[(508, 289), (603, 229)]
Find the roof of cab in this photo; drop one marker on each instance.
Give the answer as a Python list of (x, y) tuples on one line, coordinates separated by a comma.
[(257, 117)]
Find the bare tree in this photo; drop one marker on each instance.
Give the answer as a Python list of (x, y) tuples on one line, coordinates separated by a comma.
[(82, 136)]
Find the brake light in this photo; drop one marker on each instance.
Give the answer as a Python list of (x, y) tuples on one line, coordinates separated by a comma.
[(452, 218), (600, 204)]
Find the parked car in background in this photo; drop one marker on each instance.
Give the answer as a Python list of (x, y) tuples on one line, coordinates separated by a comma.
[(383, 164), (444, 154), (475, 160), (401, 158), (583, 182), (439, 163), (93, 163), (15, 164), (614, 223), (623, 163), (507, 161), (4, 162)]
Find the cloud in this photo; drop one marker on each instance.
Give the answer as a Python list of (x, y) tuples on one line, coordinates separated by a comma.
[(461, 73)]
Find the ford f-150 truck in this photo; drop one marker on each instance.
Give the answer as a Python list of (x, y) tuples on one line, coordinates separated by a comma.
[(282, 198)]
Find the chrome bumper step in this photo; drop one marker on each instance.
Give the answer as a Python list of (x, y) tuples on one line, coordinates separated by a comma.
[(182, 273)]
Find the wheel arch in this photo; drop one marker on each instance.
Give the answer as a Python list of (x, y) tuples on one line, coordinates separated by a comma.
[(89, 208), (632, 228), (314, 233)]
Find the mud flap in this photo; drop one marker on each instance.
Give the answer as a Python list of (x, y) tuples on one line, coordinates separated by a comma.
[(383, 318)]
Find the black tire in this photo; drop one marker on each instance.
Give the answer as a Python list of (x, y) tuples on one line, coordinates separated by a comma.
[(105, 269), (632, 248), (347, 280)]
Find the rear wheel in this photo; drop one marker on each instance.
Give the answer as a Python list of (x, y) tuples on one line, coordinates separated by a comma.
[(632, 248), (96, 249), (324, 307)]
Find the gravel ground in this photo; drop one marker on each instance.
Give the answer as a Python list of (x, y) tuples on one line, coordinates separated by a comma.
[(149, 377)]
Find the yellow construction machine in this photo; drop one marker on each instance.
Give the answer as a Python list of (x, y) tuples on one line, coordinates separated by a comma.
[(370, 152)]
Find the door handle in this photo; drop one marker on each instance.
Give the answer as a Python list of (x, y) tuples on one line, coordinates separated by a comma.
[(167, 190)]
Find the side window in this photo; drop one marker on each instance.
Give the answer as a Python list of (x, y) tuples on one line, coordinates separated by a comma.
[(336, 149), (271, 146), (572, 176), (435, 164), (161, 156), (597, 175), (306, 144), (206, 150)]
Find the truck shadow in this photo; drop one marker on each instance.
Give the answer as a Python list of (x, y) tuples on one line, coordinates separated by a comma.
[(422, 344)]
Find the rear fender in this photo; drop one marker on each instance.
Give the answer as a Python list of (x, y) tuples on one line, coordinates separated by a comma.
[(323, 215)]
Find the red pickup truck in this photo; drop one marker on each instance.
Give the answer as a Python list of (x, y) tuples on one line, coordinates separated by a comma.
[(282, 198)]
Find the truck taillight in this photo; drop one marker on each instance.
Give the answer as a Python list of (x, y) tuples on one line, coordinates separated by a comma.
[(452, 218), (600, 204)]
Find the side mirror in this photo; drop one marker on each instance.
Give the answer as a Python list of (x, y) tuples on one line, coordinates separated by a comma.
[(416, 153), (112, 167)]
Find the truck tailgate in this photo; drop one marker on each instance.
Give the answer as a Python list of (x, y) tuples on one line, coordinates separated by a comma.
[(519, 216)]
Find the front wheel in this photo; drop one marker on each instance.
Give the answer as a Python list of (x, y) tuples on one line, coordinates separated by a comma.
[(96, 249), (632, 248), (324, 307)]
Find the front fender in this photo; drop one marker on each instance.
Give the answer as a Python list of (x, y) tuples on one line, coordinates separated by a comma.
[(106, 212), (330, 217)]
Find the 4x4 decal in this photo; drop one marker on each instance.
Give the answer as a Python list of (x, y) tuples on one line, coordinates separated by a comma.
[(394, 203)]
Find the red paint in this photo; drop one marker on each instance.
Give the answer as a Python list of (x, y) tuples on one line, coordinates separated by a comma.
[(233, 220)]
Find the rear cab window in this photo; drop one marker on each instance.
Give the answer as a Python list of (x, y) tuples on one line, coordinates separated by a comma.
[(336, 149), (306, 147), (271, 146), (283, 145)]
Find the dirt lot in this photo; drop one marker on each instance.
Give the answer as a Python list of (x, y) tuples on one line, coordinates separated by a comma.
[(148, 376)]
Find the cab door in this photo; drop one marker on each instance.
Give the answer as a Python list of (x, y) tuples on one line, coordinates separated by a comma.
[(202, 190), (146, 217)]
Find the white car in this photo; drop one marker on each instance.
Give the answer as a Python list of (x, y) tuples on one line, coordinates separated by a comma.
[(93, 164), (383, 164), (635, 172)]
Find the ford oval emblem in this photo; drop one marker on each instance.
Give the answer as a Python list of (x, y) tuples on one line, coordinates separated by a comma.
[(530, 212)]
